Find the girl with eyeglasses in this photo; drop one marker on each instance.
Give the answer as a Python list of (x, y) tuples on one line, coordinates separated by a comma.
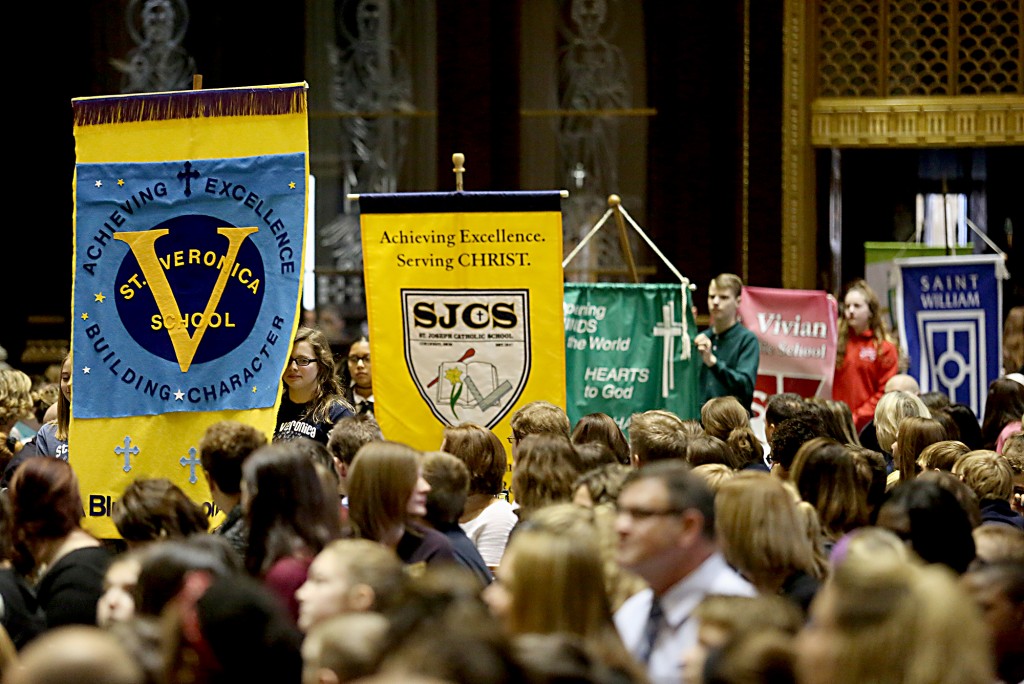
[(313, 400), (356, 378)]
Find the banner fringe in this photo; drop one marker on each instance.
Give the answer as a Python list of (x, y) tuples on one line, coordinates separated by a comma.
[(190, 104)]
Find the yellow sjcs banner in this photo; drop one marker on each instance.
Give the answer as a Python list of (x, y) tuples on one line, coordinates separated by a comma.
[(464, 305)]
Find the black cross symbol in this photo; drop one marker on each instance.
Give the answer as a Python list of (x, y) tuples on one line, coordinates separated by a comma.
[(187, 175)]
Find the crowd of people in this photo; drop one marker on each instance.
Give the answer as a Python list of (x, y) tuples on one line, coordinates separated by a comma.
[(874, 537)]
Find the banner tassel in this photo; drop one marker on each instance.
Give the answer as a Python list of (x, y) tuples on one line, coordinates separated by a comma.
[(190, 104)]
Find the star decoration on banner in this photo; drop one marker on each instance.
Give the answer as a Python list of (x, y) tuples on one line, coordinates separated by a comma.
[(254, 389), (120, 182), (85, 317), (99, 184), (100, 297), (179, 396), (86, 370), (292, 185)]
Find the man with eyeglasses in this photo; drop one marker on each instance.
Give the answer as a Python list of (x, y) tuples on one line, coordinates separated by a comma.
[(666, 530)]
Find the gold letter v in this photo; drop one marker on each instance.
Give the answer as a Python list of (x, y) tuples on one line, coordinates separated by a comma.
[(143, 246)]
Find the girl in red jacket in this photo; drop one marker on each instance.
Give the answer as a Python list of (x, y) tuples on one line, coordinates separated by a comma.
[(865, 358)]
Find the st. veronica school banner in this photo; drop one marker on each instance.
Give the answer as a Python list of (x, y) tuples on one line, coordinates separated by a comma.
[(627, 350), (950, 320), (190, 212), (797, 332), (464, 306)]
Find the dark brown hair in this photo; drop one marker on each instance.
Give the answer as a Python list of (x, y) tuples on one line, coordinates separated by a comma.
[(482, 452), (602, 428), (156, 508)]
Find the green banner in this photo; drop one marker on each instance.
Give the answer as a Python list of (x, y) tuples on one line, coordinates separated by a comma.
[(628, 349)]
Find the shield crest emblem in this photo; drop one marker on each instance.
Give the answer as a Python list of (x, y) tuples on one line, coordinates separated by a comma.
[(953, 354), (467, 351)]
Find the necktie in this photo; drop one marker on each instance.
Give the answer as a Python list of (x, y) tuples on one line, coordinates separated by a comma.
[(654, 620), (366, 407)]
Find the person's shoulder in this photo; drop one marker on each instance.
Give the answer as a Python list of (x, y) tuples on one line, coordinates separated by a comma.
[(46, 438), (47, 428), (500, 509), (85, 561), (635, 606), (724, 580), (340, 408), (743, 331), (288, 566), (432, 536)]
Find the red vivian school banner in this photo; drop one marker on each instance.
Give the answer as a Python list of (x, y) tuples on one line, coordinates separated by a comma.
[(797, 333)]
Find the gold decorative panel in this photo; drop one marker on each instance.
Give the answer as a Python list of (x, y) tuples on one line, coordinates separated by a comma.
[(899, 48), (850, 61), (990, 58), (891, 73), (918, 122)]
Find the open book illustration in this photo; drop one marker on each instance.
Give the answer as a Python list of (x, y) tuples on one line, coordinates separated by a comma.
[(472, 384)]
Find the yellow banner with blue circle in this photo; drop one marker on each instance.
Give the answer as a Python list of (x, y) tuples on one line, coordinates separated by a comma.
[(189, 223)]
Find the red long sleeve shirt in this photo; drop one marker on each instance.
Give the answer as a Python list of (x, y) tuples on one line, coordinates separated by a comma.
[(860, 380)]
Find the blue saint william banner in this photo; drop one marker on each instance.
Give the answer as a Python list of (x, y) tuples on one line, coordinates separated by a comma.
[(189, 224), (950, 323), (186, 273)]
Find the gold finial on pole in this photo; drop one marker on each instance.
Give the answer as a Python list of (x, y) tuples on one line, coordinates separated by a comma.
[(615, 202), (197, 81), (458, 159)]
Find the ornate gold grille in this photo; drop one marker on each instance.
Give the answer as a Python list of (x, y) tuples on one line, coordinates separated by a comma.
[(900, 48)]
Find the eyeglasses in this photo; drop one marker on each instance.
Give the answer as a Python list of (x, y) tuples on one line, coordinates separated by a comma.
[(300, 361), (354, 360), (645, 513)]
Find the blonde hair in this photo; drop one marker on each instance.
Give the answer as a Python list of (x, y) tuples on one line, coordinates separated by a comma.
[(64, 404), (656, 435), (714, 474), (729, 281), (597, 523), (987, 473), (998, 543), (1013, 452), (557, 585), (897, 622), (15, 395), (540, 417), (740, 613), (363, 561), (891, 409), (942, 455), (761, 532)]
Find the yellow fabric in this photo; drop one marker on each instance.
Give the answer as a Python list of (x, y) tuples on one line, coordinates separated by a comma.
[(445, 258), (177, 434)]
